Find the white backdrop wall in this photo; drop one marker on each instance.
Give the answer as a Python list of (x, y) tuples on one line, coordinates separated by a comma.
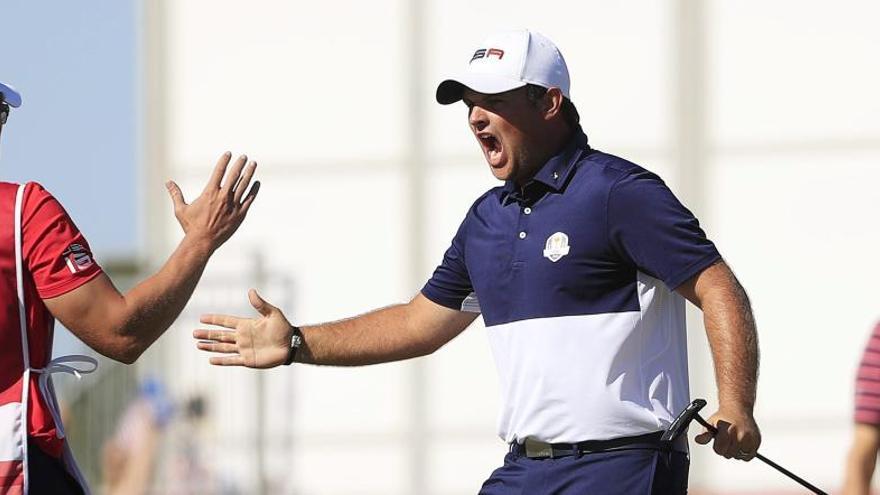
[(777, 102)]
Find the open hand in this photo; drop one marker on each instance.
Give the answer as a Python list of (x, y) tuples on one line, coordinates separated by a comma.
[(738, 436), (216, 214), (262, 342)]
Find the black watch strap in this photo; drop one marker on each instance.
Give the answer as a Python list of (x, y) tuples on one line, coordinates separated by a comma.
[(296, 341)]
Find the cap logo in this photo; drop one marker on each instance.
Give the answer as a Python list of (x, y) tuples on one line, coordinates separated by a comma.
[(488, 52)]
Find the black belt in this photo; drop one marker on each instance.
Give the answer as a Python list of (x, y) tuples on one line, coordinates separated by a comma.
[(534, 449)]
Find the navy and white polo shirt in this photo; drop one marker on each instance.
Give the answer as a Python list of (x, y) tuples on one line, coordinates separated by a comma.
[(573, 275)]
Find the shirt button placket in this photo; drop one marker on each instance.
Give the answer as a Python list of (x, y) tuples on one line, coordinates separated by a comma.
[(522, 233), (524, 223)]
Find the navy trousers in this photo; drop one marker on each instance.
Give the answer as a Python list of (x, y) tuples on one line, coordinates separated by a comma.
[(47, 474), (623, 472)]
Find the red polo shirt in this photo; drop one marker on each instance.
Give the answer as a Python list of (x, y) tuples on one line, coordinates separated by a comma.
[(56, 259)]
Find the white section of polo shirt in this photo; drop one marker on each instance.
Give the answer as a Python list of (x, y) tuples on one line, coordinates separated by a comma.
[(594, 377)]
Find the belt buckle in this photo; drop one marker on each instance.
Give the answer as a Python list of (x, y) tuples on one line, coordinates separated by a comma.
[(537, 449)]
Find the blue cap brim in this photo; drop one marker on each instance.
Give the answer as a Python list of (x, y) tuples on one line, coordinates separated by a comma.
[(10, 95)]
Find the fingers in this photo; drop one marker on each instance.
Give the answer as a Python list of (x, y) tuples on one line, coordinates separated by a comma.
[(745, 455), (260, 304), (227, 361), (219, 171), (724, 444), (704, 438), (223, 342), (249, 199), (214, 347), (747, 448), (233, 176), (242, 185), (214, 335), (220, 320), (176, 194), (735, 439)]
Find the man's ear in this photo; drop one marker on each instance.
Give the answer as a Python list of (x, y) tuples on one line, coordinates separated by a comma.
[(551, 103)]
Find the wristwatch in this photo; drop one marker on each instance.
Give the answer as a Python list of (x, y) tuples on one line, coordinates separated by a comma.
[(296, 341)]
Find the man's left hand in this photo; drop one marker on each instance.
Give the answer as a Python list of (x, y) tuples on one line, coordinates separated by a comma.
[(738, 436)]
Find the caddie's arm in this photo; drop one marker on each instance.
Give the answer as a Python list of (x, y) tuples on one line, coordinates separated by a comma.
[(122, 327), (733, 339), (398, 332)]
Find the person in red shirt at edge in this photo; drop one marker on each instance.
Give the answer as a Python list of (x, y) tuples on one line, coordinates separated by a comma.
[(862, 458), (47, 272)]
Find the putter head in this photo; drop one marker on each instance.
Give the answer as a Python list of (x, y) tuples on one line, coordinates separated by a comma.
[(683, 420)]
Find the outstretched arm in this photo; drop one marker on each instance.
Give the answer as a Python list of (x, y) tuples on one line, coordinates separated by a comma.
[(122, 327), (733, 340), (398, 332)]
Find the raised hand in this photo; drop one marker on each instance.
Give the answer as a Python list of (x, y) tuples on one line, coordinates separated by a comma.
[(262, 342), (217, 213)]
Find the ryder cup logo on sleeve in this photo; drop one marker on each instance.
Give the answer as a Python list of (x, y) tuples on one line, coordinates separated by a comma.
[(556, 247), (77, 258)]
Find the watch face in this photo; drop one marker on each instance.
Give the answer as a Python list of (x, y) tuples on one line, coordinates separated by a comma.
[(296, 341)]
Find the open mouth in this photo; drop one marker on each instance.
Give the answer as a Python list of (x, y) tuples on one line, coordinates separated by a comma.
[(491, 146)]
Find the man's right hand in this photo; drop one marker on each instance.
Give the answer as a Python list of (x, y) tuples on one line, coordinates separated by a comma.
[(217, 213), (262, 342)]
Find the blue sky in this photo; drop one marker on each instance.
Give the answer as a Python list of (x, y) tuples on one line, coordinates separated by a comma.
[(77, 131)]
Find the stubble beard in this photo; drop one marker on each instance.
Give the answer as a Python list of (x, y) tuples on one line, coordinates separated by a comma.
[(525, 167)]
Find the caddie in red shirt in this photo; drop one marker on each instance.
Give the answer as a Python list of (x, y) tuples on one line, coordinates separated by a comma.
[(47, 272)]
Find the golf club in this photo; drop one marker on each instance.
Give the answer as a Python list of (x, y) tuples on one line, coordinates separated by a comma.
[(693, 412)]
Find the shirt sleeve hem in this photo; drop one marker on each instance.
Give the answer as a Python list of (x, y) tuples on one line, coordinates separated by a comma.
[(66, 286), (867, 417), (447, 302), (693, 269)]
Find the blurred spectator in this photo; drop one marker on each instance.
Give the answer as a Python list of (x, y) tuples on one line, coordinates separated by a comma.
[(129, 457), (188, 473), (866, 431)]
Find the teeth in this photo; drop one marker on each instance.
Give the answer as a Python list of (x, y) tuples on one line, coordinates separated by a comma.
[(489, 141)]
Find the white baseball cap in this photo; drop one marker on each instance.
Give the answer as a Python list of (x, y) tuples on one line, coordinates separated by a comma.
[(509, 60), (10, 95)]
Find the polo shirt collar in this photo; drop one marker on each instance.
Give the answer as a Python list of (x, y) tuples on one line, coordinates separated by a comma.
[(558, 169)]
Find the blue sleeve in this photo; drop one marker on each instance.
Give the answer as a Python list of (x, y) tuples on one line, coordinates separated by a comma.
[(451, 284), (650, 228)]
